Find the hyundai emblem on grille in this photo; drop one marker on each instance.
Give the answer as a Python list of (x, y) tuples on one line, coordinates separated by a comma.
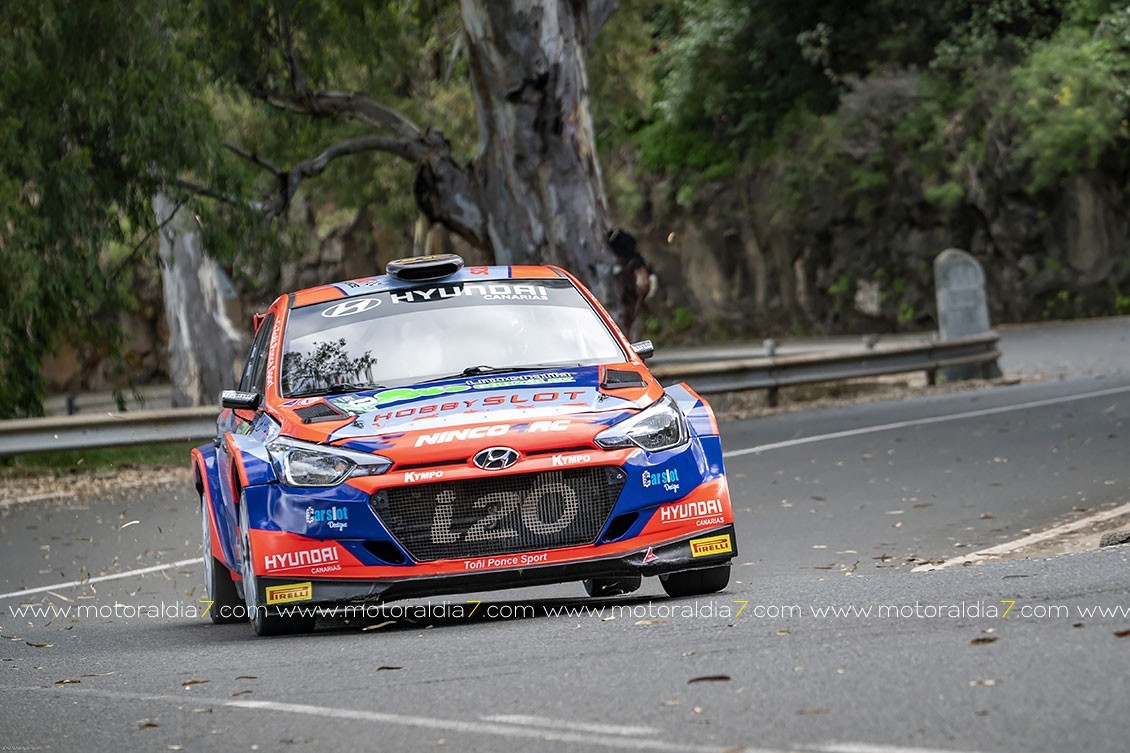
[(496, 458)]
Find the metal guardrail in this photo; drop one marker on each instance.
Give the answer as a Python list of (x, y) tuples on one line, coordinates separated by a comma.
[(774, 372), (33, 435), (25, 436)]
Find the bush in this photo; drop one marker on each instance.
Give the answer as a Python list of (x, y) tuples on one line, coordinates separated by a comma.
[(1074, 95)]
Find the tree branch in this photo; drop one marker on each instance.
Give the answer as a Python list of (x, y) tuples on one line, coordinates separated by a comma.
[(200, 189), (128, 260), (297, 77), (253, 158), (289, 180), (350, 105)]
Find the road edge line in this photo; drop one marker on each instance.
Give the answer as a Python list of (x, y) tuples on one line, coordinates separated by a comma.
[(1034, 538)]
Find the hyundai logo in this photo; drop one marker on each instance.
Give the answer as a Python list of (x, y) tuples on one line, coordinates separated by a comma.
[(349, 308), (496, 458)]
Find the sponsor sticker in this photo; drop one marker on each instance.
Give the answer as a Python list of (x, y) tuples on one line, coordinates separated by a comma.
[(702, 510), (327, 557), (370, 403), (411, 477), (290, 593), (668, 478), (482, 432), (567, 460), (711, 545), (514, 560), (364, 282), (336, 518), (488, 291)]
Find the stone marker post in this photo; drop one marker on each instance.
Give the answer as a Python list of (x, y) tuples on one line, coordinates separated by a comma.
[(963, 307)]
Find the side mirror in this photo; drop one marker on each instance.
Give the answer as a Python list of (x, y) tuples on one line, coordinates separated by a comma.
[(644, 349), (238, 400)]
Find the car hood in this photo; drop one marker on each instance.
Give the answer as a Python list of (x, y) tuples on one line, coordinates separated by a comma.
[(382, 418)]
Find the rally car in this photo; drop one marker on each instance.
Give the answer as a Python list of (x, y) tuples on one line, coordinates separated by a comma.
[(443, 429)]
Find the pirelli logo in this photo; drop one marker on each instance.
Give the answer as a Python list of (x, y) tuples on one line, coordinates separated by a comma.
[(711, 545), (289, 593)]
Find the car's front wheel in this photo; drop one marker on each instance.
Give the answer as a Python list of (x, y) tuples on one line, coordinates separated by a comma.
[(625, 584), (696, 582), (226, 606), (261, 622)]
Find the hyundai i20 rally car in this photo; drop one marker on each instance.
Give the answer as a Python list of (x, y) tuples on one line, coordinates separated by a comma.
[(442, 429)]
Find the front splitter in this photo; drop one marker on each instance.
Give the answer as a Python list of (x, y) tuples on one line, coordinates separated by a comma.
[(666, 558)]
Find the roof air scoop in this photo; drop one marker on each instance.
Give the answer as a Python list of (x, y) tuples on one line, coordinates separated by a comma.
[(419, 268)]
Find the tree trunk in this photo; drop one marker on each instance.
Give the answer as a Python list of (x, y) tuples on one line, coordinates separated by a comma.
[(205, 347), (537, 176)]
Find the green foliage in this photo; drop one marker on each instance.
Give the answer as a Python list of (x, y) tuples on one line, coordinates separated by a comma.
[(728, 71), (97, 108), (986, 33), (831, 103), (1075, 89), (1121, 304), (103, 104), (841, 291), (682, 319), (947, 195), (620, 74), (1063, 305), (399, 53)]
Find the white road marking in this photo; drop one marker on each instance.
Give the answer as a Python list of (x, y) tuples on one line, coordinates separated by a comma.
[(541, 721), (484, 728), (481, 728), (1035, 538), (102, 578), (922, 422), (866, 748)]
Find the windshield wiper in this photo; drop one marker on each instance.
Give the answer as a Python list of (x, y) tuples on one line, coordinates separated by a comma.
[(337, 388), (481, 369), (485, 369)]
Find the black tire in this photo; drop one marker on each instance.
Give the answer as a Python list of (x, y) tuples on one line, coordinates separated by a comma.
[(696, 582), (262, 623), (625, 584), (226, 607)]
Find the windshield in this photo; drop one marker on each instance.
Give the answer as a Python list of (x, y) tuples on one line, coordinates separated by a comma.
[(404, 336)]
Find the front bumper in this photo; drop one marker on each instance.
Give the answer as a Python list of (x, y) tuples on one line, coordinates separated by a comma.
[(709, 548)]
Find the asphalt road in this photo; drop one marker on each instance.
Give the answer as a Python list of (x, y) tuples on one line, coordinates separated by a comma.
[(834, 508)]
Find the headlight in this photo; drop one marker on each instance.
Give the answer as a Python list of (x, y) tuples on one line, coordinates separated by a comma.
[(304, 464), (659, 427)]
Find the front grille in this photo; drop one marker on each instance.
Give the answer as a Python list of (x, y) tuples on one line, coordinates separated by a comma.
[(501, 515)]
